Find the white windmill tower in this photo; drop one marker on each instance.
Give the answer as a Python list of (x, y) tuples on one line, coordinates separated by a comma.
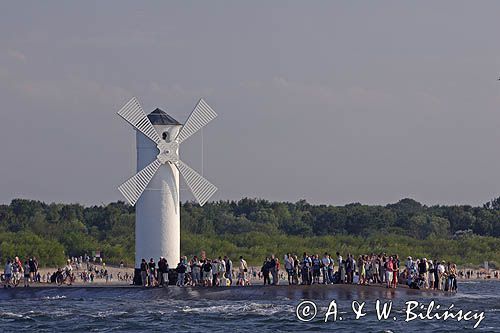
[(154, 190)]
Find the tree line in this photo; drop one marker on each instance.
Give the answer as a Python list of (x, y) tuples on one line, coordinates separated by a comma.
[(255, 228)]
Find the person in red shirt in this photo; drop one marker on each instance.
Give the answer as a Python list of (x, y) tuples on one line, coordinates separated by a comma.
[(395, 267)]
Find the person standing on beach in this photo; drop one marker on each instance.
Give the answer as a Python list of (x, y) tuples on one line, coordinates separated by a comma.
[(181, 273), (389, 268), (383, 262), (159, 276), (436, 275), (339, 260), (7, 274), (408, 265), (316, 268), (163, 272), (144, 273), (207, 272), (278, 265), (32, 271), (35, 263), (288, 260), (431, 274), (306, 269), (229, 270), (422, 271), (266, 265), (376, 267), (215, 271), (152, 272), (452, 278), (195, 271), (331, 267), (274, 269), (222, 272), (361, 269), (294, 269), (243, 269), (441, 275), (26, 273), (395, 267), (342, 271), (350, 268), (17, 269)]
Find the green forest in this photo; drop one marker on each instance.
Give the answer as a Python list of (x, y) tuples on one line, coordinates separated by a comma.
[(255, 228)]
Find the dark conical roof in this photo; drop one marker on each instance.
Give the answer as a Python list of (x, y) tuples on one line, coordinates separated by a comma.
[(160, 117)]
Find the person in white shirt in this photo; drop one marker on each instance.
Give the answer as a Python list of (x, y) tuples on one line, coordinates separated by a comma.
[(243, 269), (7, 273), (441, 276), (68, 268), (222, 272), (409, 265)]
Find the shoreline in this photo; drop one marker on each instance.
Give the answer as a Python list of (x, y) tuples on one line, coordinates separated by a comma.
[(293, 292), (114, 282)]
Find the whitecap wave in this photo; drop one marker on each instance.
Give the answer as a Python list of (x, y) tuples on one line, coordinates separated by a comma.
[(236, 309), (53, 297), (476, 296), (108, 313), (12, 315)]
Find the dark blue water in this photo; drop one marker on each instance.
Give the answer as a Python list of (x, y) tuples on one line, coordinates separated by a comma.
[(257, 309)]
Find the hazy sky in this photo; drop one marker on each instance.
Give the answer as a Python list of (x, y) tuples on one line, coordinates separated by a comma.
[(332, 102)]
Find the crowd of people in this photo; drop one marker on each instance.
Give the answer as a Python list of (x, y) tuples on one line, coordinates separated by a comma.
[(195, 272), (364, 270), (83, 269), (308, 269), (382, 269), (16, 271)]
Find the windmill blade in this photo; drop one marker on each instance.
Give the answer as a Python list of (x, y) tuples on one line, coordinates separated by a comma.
[(133, 188), (133, 113), (201, 188), (201, 115)]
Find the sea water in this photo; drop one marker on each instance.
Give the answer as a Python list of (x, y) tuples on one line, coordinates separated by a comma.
[(255, 309)]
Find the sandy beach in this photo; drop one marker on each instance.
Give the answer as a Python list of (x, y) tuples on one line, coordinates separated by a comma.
[(116, 277)]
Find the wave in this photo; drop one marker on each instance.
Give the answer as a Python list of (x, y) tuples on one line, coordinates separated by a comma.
[(53, 297), (237, 309), (12, 315), (477, 296), (108, 314)]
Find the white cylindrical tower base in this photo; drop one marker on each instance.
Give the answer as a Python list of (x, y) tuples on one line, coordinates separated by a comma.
[(157, 212)]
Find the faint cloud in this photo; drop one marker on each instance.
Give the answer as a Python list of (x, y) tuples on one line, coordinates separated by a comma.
[(67, 91), (356, 98), (19, 56), (178, 91), (299, 92), (294, 88)]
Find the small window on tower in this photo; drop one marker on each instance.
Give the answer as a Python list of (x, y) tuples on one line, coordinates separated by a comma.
[(166, 137)]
